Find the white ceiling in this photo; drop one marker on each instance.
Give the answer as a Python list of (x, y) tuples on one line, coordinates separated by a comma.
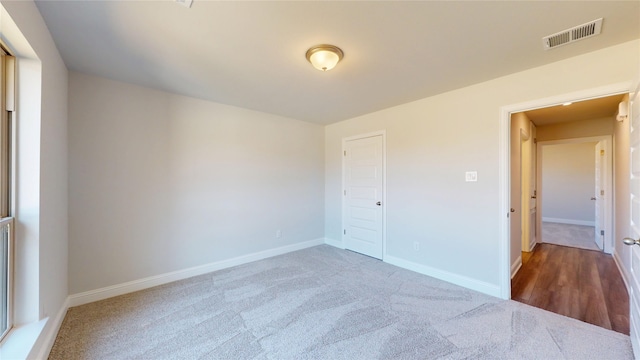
[(252, 54)]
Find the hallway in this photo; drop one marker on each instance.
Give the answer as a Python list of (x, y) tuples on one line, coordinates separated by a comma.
[(582, 284)]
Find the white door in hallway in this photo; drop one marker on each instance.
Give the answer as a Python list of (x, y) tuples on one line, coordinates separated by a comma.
[(599, 195), (634, 294), (533, 192), (363, 187)]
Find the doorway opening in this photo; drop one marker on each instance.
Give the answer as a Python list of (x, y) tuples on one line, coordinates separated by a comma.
[(576, 192), (573, 159), (504, 166)]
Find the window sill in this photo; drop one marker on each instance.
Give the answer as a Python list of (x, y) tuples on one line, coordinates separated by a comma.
[(21, 340)]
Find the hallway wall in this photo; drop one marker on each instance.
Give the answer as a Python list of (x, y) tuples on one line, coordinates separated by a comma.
[(568, 183), (621, 199)]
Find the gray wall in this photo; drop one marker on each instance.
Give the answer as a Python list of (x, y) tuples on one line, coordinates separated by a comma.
[(622, 201), (162, 182), (568, 183)]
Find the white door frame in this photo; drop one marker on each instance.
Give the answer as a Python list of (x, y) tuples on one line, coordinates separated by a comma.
[(504, 168), (382, 133), (608, 180), (631, 280)]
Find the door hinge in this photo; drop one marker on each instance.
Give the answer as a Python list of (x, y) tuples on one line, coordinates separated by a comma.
[(344, 232), (602, 232), (601, 152), (345, 153), (345, 193), (535, 140), (601, 192)]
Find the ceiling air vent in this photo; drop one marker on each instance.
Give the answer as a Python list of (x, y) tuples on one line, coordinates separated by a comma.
[(574, 34)]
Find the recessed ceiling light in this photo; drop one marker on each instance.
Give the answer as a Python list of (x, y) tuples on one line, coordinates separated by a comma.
[(567, 104), (324, 57)]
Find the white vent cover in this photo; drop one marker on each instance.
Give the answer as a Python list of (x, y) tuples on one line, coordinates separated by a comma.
[(574, 34)]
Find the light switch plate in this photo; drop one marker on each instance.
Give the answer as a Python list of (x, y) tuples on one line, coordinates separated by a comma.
[(470, 176)]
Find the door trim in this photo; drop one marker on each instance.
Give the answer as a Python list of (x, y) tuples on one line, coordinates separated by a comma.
[(504, 167), (382, 133), (608, 191)]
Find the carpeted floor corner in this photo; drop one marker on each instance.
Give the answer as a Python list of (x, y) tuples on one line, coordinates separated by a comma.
[(324, 303), (578, 236)]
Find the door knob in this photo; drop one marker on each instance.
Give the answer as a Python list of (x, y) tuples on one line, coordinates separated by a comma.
[(533, 197), (379, 203), (513, 210), (630, 241), (593, 198)]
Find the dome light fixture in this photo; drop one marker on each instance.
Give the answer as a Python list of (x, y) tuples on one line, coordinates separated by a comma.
[(324, 57)]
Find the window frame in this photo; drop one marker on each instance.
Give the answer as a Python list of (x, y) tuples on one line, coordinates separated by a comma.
[(7, 112)]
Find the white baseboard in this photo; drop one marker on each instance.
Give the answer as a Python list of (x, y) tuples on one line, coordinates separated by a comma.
[(515, 267), (622, 270), (626, 278), (469, 283), (43, 345), (334, 243), (141, 284), (569, 221)]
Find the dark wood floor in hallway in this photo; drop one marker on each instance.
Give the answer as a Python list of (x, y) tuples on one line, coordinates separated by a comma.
[(582, 284)]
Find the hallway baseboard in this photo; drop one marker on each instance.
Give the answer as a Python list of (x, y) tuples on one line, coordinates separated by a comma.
[(516, 266), (569, 221)]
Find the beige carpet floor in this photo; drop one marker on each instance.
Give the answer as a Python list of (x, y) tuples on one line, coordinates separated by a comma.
[(578, 236), (324, 303)]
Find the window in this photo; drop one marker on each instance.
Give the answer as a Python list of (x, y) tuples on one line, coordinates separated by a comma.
[(7, 94)]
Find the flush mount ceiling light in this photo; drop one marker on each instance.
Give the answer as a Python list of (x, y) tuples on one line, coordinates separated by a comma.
[(324, 57)]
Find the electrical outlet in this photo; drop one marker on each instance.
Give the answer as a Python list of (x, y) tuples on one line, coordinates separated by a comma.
[(471, 176), (416, 246), (278, 234)]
